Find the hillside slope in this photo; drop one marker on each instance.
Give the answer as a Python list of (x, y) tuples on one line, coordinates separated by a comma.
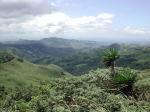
[(133, 56), (33, 51), (19, 72), (87, 93)]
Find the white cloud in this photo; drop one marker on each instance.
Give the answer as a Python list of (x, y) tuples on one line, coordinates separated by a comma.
[(32, 18), (134, 31), (59, 23)]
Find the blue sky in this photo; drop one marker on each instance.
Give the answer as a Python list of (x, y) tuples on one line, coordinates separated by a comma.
[(78, 19), (134, 12)]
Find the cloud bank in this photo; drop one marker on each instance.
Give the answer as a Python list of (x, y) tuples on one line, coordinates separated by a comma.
[(40, 18)]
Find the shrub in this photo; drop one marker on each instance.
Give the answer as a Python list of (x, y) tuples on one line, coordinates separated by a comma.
[(70, 94), (125, 76), (125, 79)]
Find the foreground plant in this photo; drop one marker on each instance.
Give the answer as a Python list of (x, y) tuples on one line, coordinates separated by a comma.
[(109, 58), (125, 78)]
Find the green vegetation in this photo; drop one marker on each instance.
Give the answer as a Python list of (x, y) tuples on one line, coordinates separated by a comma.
[(93, 92), (69, 43), (5, 57), (133, 56), (19, 72), (109, 58), (125, 79), (76, 64), (78, 57), (28, 87), (125, 75), (142, 85)]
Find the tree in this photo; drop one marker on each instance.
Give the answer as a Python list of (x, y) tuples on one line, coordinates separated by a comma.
[(109, 58)]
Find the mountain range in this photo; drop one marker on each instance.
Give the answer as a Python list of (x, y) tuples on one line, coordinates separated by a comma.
[(56, 47)]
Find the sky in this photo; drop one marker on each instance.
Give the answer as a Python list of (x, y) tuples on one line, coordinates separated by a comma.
[(113, 20)]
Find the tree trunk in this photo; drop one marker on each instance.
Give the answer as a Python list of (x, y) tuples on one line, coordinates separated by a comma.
[(113, 69)]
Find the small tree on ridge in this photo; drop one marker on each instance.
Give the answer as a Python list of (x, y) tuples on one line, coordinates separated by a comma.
[(109, 58)]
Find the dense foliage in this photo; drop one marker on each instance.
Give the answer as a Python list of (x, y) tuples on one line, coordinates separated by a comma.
[(125, 75), (88, 93), (28, 87), (78, 63), (142, 86), (125, 78)]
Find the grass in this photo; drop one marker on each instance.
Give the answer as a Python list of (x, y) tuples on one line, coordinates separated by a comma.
[(25, 73)]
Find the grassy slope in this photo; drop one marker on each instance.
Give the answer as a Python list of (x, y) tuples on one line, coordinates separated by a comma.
[(22, 73)]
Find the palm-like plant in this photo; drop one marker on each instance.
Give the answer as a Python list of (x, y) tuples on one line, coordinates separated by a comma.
[(109, 58), (125, 77)]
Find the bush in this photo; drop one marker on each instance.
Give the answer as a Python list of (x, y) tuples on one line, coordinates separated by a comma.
[(125, 79), (125, 76)]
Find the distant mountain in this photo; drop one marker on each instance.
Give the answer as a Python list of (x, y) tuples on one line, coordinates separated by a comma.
[(37, 50), (134, 56), (61, 43), (64, 43), (48, 47)]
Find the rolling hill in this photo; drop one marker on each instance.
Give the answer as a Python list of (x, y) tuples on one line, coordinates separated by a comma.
[(47, 47), (19, 72), (56, 42), (133, 56), (34, 51), (77, 57)]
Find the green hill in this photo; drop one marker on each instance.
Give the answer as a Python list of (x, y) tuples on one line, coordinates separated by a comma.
[(56, 42), (133, 56), (20, 72)]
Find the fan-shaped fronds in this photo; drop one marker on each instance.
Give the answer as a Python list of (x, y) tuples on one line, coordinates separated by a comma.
[(125, 76), (110, 55)]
